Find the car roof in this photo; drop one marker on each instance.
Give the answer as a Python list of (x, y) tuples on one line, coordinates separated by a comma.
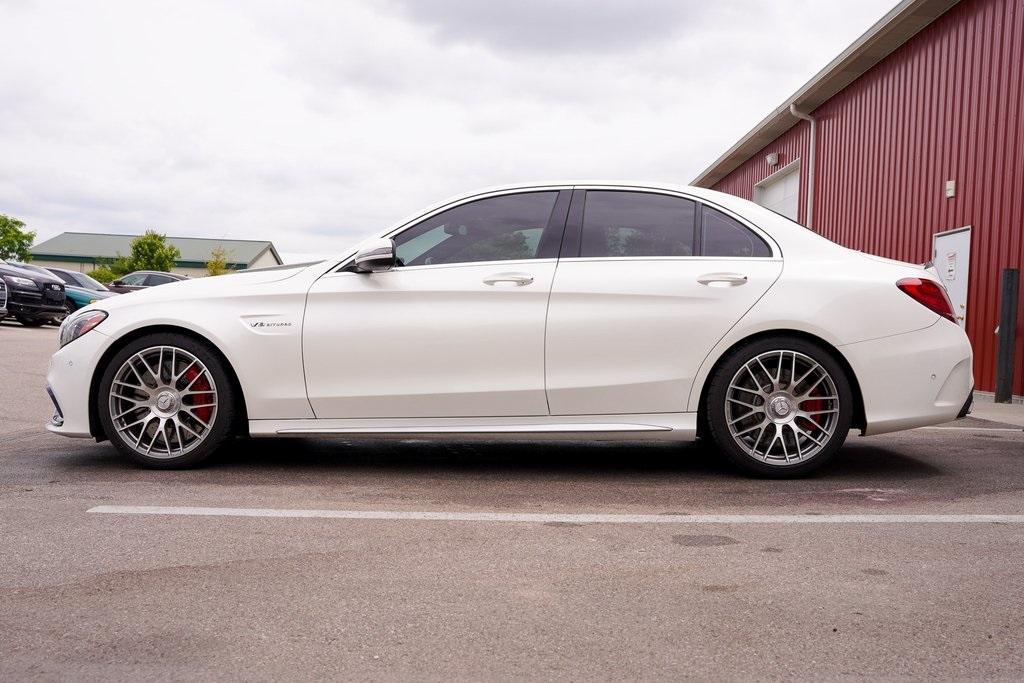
[(156, 272)]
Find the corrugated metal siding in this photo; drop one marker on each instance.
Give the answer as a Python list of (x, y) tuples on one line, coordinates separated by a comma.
[(947, 105)]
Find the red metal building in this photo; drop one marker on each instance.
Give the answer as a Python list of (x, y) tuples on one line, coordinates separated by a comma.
[(918, 129)]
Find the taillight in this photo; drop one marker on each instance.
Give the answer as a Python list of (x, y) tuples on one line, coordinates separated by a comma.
[(928, 293)]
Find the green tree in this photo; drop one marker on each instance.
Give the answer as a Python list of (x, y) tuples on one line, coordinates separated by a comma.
[(218, 263), (150, 251), (103, 274), (15, 241)]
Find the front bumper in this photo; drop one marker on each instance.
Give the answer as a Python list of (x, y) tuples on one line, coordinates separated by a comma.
[(914, 379), (68, 381), (33, 304)]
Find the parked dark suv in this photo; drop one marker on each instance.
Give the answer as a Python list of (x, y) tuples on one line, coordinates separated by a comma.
[(32, 298), (141, 279)]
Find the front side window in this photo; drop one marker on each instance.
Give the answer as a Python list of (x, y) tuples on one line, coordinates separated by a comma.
[(636, 224), (727, 237), (154, 280), (134, 279), (504, 228)]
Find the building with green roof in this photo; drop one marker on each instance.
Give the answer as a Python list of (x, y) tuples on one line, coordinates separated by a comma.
[(83, 251)]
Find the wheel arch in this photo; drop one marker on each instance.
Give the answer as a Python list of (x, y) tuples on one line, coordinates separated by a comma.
[(241, 426), (859, 419)]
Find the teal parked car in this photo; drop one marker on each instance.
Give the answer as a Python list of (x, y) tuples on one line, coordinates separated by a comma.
[(77, 297), (80, 289)]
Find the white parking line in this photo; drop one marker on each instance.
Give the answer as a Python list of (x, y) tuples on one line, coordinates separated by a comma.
[(977, 429), (558, 517)]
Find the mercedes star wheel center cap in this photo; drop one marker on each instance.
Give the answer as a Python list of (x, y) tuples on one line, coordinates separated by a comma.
[(780, 406), (165, 401)]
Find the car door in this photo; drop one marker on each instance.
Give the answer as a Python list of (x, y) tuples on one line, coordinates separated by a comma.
[(455, 330), (647, 284)]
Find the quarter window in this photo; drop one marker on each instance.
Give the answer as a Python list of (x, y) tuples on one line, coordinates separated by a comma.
[(636, 224), (726, 237), (504, 228)]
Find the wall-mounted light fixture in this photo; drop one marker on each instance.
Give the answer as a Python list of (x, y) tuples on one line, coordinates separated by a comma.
[(772, 159)]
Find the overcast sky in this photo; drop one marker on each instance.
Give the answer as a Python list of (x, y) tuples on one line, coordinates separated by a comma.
[(314, 123)]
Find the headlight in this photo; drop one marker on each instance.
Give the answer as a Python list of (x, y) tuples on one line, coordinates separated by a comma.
[(75, 326), (21, 281)]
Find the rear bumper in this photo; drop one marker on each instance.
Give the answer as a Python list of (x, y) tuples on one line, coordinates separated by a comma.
[(915, 379), (966, 410)]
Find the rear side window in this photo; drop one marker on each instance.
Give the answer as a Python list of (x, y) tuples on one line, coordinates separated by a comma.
[(726, 237), (636, 224), (503, 228)]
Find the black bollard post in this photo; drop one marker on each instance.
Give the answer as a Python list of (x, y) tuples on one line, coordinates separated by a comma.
[(1007, 335)]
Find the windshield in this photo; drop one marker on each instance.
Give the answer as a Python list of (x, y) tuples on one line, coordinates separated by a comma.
[(87, 282)]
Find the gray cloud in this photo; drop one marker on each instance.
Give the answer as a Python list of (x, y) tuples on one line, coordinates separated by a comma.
[(556, 26)]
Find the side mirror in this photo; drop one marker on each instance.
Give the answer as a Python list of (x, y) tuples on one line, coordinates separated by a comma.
[(117, 283), (376, 257)]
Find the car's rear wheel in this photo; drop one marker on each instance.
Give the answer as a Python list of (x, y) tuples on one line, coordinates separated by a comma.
[(779, 407), (166, 401)]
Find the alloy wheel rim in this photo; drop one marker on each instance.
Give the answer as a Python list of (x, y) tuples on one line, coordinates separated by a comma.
[(163, 402), (782, 407)]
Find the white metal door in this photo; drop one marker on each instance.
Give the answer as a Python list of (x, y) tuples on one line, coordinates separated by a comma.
[(461, 340), (951, 253), (781, 191), (627, 336)]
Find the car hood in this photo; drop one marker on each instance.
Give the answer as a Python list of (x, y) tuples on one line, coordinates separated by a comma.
[(91, 293), (14, 271), (202, 288)]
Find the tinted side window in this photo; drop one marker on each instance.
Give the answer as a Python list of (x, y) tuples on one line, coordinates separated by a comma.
[(67, 278), (153, 280), (134, 279), (723, 236), (636, 224), (502, 228)]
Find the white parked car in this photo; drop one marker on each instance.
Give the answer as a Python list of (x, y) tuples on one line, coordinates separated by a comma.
[(582, 311)]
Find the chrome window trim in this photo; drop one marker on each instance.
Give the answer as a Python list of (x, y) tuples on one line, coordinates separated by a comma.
[(776, 249)]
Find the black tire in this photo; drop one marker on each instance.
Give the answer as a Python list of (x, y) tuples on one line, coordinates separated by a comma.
[(717, 416), (219, 431), (30, 322)]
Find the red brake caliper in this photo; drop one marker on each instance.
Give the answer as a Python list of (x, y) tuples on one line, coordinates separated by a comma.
[(811, 406), (203, 400)]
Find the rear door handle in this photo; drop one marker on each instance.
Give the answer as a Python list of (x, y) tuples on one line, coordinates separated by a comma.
[(722, 279), (517, 279)]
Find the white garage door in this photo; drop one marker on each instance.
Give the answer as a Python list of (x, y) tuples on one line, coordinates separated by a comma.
[(780, 192)]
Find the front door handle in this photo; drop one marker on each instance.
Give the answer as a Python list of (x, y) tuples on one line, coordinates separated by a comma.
[(722, 279), (517, 279)]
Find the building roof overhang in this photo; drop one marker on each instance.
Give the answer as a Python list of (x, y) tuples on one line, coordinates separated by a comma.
[(890, 32)]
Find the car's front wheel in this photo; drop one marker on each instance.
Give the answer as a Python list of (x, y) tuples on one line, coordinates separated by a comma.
[(166, 401), (779, 407)]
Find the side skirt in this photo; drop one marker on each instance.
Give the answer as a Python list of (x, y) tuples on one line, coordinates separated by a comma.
[(654, 426)]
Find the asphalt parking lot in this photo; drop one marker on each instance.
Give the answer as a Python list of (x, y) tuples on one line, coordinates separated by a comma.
[(788, 586)]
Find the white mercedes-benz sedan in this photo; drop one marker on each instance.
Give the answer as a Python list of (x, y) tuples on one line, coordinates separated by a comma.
[(581, 310)]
